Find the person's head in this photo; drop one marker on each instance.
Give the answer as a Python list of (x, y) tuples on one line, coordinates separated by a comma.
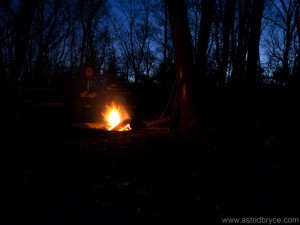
[(88, 71)]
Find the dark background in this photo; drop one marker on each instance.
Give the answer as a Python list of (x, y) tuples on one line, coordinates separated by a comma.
[(240, 159)]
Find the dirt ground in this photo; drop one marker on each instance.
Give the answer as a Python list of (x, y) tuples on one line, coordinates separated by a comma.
[(240, 161)]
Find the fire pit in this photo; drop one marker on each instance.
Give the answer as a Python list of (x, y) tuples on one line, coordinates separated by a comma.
[(90, 126), (122, 126), (115, 118)]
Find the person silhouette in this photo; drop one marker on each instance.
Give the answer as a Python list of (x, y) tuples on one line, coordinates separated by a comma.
[(87, 99)]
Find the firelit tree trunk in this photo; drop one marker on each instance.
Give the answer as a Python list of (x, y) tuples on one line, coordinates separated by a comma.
[(183, 105)]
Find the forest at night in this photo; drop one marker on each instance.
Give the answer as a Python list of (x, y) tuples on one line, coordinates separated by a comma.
[(149, 112)]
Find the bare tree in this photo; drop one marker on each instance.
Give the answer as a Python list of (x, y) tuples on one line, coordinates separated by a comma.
[(296, 67), (227, 28), (89, 15), (194, 8), (203, 39), (162, 37), (21, 39), (239, 61), (50, 29), (7, 30), (183, 108), (134, 35), (253, 45), (283, 20)]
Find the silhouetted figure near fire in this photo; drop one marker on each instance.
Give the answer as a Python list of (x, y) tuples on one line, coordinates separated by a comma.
[(85, 104)]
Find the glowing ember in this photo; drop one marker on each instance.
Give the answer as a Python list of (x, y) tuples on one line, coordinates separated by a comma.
[(116, 118)]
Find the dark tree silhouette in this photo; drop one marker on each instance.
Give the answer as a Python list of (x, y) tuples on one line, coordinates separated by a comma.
[(48, 35), (253, 45), (296, 71), (227, 27), (89, 12), (21, 40), (283, 21), (239, 62), (203, 39), (183, 108)]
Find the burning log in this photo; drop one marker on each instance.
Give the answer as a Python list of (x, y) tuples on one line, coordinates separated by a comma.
[(122, 126), (116, 118)]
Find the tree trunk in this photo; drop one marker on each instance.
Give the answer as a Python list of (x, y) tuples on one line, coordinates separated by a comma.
[(203, 39), (2, 67), (183, 108), (227, 27), (239, 63), (253, 46), (165, 43), (22, 37), (296, 70)]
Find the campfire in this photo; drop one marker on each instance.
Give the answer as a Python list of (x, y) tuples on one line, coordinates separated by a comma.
[(113, 118), (116, 118)]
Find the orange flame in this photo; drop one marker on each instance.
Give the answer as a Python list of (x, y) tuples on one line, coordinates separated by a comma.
[(115, 116)]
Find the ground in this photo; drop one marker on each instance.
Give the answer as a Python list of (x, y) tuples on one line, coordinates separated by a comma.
[(240, 161)]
